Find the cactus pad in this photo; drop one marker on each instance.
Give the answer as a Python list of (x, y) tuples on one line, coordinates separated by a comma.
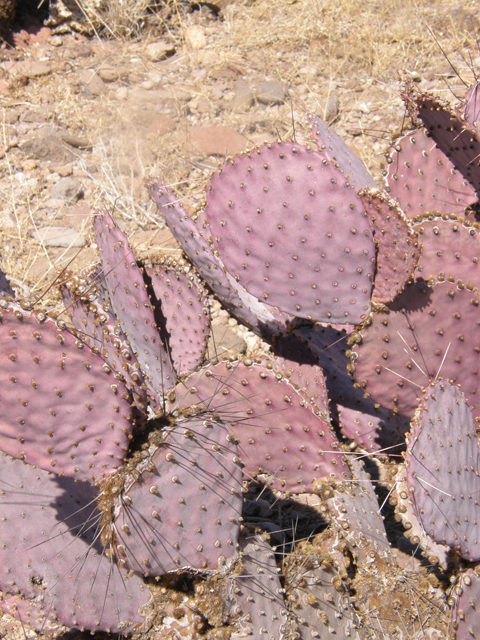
[(471, 107), (258, 604), (61, 407), (368, 424), (422, 178), (427, 331), (333, 148), (193, 239), (443, 462), (183, 509), (184, 306), (452, 135), (51, 553), (397, 244), (467, 613), (450, 250), (279, 432), (131, 303), (356, 513), (401, 499), (283, 214)]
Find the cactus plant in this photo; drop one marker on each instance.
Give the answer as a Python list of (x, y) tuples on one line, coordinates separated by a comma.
[(116, 393)]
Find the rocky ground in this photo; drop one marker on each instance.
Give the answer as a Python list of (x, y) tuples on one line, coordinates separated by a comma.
[(84, 119)]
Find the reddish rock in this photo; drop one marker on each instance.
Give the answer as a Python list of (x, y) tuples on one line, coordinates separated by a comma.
[(160, 125), (216, 141)]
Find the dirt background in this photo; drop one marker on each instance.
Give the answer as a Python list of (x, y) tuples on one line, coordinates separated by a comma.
[(85, 117)]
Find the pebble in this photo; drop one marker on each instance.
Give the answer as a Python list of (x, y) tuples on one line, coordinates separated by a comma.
[(157, 51), (363, 107), (67, 189), (271, 92), (195, 37), (109, 75), (224, 344), (58, 237), (161, 124), (332, 108), (47, 148), (243, 98), (216, 140), (93, 85)]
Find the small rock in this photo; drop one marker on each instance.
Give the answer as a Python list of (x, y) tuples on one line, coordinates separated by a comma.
[(31, 69), (195, 37), (216, 141), (65, 171), (29, 165), (93, 85), (121, 93), (243, 98), (109, 75), (224, 344), (157, 51), (47, 148), (67, 190), (271, 92), (216, 93), (161, 124), (332, 108), (204, 106), (56, 41), (364, 108), (74, 141), (58, 237), (147, 84)]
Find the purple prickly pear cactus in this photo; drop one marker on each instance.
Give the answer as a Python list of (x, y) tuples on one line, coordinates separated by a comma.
[(279, 432), (258, 608), (397, 244), (422, 178), (443, 462), (471, 107), (450, 250), (459, 142), (422, 335), (360, 419), (184, 306), (466, 592), (51, 552), (62, 408), (334, 149), (195, 241), (181, 508), (291, 230), (132, 305)]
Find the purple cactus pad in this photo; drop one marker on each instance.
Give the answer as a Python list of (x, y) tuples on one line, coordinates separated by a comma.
[(291, 230)]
